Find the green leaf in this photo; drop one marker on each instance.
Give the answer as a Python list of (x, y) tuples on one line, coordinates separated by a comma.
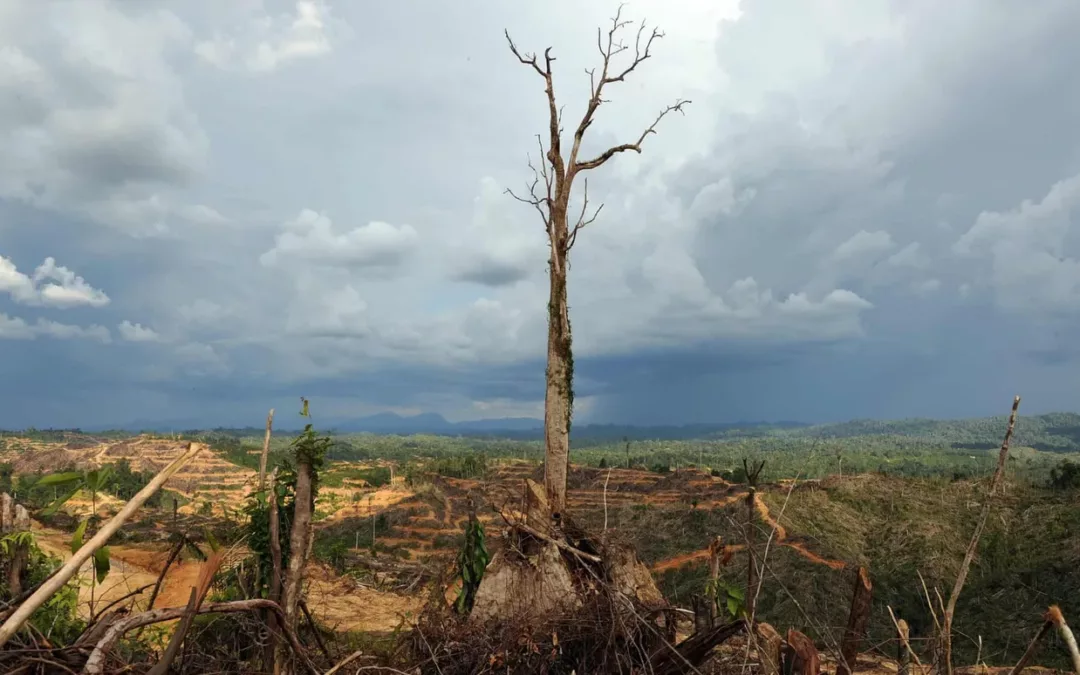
[(101, 563), (77, 538), (52, 508), (60, 478), (736, 592), (97, 479)]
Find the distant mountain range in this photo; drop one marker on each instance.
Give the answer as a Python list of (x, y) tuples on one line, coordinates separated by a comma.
[(517, 428)]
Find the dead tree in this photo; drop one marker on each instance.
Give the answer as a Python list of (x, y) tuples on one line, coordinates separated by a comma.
[(549, 193)]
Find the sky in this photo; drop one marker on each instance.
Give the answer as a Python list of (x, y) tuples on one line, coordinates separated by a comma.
[(871, 208)]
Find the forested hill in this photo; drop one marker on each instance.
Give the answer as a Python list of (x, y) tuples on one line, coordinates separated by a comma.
[(1053, 432)]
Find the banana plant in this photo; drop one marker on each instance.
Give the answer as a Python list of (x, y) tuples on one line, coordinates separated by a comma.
[(472, 561)]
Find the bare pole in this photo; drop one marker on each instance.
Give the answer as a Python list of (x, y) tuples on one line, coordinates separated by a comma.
[(969, 556), (71, 567)]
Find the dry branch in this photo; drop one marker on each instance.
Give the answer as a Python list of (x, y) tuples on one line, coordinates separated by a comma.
[(198, 594), (71, 567), (96, 663), (969, 556), (562, 545), (1033, 646)]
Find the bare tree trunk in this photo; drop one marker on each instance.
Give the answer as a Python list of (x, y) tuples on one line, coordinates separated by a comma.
[(275, 575), (265, 450), (969, 556), (858, 620), (299, 546), (559, 393)]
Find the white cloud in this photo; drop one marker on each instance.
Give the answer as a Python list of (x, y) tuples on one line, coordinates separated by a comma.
[(136, 332), (864, 244), (311, 238), (267, 43), (499, 246), (1030, 255), (15, 328), (64, 288)]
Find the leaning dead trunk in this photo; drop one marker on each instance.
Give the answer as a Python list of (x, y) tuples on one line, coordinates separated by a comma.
[(858, 621), (559, 396)]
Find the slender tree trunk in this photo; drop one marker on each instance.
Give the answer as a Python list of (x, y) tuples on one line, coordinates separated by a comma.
[(269, 655), (559, 397), (265, 449)]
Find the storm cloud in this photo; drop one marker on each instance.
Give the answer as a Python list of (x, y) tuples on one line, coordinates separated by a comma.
[(210, 209)]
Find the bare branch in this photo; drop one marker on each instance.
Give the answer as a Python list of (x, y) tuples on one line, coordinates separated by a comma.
[(530, 59), (582, 221), (636, 146)]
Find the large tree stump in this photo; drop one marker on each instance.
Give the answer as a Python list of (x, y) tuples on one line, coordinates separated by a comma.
[(539, 573)]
